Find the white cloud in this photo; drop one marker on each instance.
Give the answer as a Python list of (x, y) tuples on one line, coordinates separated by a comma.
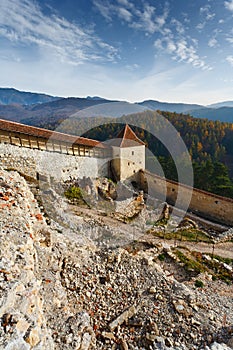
[(206, 16), (148, 19), (143, 18), (206, 13), (213, 42), (134, 66), (24, 22), (230, 40), (229, 59), (171, 47), (105, 9), (229, 5), (126, 3), (201, 25), (178, 25), (158, 44), (124, 14), (109, 10), (182, 51)]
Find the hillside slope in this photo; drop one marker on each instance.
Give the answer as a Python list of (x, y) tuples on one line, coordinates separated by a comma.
[(223, 114), (60, 290), (13, 96)]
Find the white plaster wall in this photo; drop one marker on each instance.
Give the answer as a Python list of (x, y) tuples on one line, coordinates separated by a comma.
[(57, 165), (132, 160)]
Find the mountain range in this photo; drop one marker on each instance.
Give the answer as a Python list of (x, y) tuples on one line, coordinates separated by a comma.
[(40, 109)]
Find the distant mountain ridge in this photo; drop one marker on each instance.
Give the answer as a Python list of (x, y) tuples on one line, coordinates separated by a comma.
[(13, 96), (169, 107), (221, 104), (223, 114), (41, 109)]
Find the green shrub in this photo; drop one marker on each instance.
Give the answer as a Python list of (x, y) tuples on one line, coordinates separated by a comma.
[(74, 193), (161, 257), (199, 284)]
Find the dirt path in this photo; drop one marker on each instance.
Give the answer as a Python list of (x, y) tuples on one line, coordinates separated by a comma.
[(224, 249)]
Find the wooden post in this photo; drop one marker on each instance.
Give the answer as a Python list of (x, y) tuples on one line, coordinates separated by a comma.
[(10, 137), (29, 142), (20, 140)]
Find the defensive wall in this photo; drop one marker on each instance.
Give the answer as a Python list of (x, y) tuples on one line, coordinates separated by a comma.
[(205, 204), (35, 151)]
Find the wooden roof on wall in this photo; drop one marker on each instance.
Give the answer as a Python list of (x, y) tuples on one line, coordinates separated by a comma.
[(47, 134)]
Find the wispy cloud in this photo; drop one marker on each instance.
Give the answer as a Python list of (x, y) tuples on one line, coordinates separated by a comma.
[(105, 9), (178, 26), (182, 51), (24, 22), (132, 67), (229, 5), (230, 40), (144, 18), (213, 42), (229, 59), (206, 16), (206, 13), (170, 32)]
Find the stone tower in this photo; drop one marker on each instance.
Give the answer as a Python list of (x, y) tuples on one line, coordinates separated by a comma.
[(128, 155)]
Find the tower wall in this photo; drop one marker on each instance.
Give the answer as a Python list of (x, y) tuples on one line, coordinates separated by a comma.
[(127, 161)]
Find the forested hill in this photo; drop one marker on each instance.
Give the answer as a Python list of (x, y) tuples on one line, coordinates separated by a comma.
[(210, 144)]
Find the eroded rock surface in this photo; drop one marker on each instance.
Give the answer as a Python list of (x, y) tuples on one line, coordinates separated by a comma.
[(59, 290)]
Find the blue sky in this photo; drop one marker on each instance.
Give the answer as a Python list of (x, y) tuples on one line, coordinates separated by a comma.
[(175, 51)]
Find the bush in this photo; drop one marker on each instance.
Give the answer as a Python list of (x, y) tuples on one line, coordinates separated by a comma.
[(74, 193), (161, 257), (199, 284)]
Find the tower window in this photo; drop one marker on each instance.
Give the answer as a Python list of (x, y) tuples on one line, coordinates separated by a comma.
[(128, 163), (132, 153)]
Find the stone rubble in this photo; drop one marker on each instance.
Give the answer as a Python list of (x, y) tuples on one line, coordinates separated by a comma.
[(60, 290)]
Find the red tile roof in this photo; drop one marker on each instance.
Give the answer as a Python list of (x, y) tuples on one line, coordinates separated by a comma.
[(128, 138), (47, 134)]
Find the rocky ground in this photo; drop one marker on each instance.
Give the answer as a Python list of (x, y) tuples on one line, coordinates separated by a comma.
[(80, 280)]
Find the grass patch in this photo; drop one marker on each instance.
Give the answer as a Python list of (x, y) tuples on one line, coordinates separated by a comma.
[(227, 261), (191, 235), (190, 265), (215, 268)]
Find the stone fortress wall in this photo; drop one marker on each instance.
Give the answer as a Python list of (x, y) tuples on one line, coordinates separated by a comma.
[(32, 162), (63, 161), (34, 151), (205, 204)]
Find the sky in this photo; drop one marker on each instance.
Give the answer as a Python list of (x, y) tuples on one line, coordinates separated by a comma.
[(173, 51)]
